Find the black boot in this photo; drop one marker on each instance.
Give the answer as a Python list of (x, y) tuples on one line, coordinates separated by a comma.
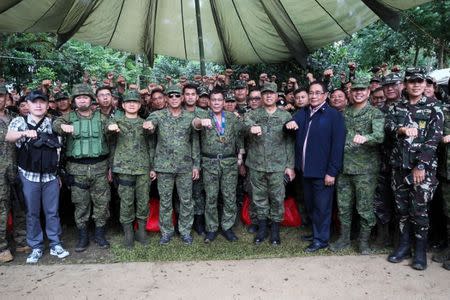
[(83, 240), (364, 247), (99, 237), (382, 239), (199, 224), (252, 228), (403, 250), (262, 232), (420, 254), (128, 232), (141, 234), (275, 233)]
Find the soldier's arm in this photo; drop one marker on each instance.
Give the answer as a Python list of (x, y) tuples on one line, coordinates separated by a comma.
[(195, 150), (151, 143), (433, 137), (62, 120), (289, 148), (377, 135), (249, 121)]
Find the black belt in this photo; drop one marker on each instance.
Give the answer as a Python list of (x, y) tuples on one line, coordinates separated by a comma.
[(218, 156), (87, 160)]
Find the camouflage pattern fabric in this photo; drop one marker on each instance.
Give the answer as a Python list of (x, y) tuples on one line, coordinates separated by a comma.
[(134, 193)]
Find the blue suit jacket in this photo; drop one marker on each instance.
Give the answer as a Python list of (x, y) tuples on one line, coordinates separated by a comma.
[(326, 139)]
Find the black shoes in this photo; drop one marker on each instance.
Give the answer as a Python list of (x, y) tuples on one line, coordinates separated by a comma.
[(313, 247), (165, 238), (210, 236), (83, 240), (275, 234), (252, 228), (99, 237), (187, 239), (262, 232), (199, 224), (229, 235)]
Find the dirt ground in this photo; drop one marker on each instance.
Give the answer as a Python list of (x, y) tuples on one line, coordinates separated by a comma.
[(319, 277)]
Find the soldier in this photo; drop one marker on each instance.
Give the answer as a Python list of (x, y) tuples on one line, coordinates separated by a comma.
[(270, 158), (203, 97), (176, 162), (105, 104), (38, 161), (240, 93), (254, 98), (221, 150), (417, 123), (444, 181), (87, 155), (338, 99), (63, 103), (230, 104), (384, 197), (131, 160), (357, 182), (190, 98)]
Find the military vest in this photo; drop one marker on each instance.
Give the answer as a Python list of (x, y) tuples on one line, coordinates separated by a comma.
[(87, 139)]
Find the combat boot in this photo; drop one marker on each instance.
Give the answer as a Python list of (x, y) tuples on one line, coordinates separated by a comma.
[(83, 240), (446, 264), (364, 247), (99, 237), (420, 254), (403, 250), (141, 234), (382, 239), (199, 224), (6, 256), (262, 232), (343, 242), (275, 233), (128, 232)]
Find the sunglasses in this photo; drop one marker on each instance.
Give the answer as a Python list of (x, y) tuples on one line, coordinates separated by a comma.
[(174, 96)]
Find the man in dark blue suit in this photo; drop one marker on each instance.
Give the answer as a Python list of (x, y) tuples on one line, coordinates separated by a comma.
[(319, 149)]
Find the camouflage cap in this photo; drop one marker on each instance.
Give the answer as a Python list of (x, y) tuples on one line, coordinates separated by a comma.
[(240, 84), (82, 89), (269, 87), (61, 96), (203, 91), (173, 89), (360, 83), (131, 95), (37, 94), (414, 73), (229, 97), (375, 79), (392, 78), (3, 89)]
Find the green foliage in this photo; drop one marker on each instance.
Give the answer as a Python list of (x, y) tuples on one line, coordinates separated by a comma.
[(42, 74)]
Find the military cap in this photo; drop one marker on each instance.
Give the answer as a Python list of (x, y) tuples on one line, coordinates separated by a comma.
[(173, 89), (203, 91), (82, 89), (269, 87), (3, 89), (131, 95), (61, 96), (375, 79), (360, 83), (229, 97), (240, 84), (414, 73), (392, 78), (37, 94)]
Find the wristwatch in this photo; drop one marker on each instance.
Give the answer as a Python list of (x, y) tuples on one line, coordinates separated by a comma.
[(420, 167)]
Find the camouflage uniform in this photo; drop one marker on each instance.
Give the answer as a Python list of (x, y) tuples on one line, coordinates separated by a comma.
[(408, 153), (198, 189), (361, 164), (268, 157), (219, 167), (176, 154)]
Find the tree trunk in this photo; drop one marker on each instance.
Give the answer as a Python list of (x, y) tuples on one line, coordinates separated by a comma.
[(416, 56), (441, 54)]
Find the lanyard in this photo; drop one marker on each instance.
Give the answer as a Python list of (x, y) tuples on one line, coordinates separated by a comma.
[(220, 126)]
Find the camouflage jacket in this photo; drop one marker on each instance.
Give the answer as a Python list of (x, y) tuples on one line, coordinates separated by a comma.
[(211, 143), (427, 117), (7, 150), (177, 145), (131, 154), (444, 157), (368, 122), (273, 151)]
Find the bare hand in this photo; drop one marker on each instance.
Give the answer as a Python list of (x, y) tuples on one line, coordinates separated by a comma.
[(329, 180), (32, 134), (292, 125), (206, 123), (67, 128), (109, 175), (328, 73), (290, 172), (114, 127), (409, 131), (418, 176), (153, 175), (359, 139), (148, 125), (446, 139), (256, 130), (195, 174), (242, 170)]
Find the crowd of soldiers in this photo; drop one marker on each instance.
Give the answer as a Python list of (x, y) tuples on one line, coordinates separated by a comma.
[(200, 145)]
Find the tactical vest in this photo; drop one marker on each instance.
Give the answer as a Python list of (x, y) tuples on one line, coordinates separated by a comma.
[(39, 155), (87, 139)]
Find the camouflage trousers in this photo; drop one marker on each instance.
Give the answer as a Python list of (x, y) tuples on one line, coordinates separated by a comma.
[(91, 191), (268, 193), (357, 189), (383, 201), (183, 183), (412, 200), (134, 191), (198, 196), (4, 210), (221, 177)]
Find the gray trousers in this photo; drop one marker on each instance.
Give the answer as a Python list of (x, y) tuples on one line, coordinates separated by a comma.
[(43, 195)]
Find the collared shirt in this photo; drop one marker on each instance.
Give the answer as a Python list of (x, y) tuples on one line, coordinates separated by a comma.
[(19, 124)]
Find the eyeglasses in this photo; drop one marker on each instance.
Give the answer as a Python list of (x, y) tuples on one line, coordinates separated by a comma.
[(254, 98), (174, 96), (315, 93)]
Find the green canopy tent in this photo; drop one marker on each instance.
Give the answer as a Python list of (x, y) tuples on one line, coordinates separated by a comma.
[(222, 31)]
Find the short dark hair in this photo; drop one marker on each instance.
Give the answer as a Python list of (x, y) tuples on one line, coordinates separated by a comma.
[(156, 90), (378, 89), (103, 87), (299, 90), (217, 90), (254, 89), (191, 86), (324, 87)]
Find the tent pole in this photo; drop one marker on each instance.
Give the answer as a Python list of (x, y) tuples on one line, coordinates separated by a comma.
[(200, 37)]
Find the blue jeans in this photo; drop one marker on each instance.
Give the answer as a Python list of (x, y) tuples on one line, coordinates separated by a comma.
[(45, 195)]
